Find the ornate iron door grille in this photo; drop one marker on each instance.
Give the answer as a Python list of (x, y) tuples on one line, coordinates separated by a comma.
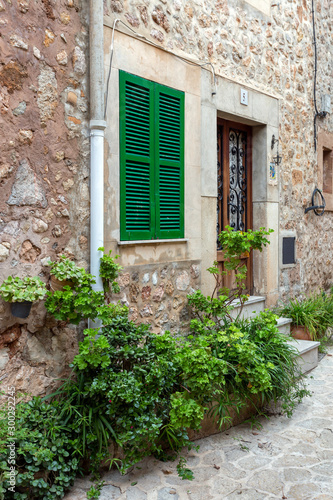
[(237, 198), (234, 205)]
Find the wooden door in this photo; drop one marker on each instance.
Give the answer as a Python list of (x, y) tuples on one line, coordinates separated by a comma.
[(234, 186)]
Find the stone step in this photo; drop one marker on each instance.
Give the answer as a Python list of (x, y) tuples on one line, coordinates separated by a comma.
[(283, 325), (307, 353), (251, 308)]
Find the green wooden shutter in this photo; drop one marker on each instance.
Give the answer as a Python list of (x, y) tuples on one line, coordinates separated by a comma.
[(137, 213), (169, 163), (151, 160)]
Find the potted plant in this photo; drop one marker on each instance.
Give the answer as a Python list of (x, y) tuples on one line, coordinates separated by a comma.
[(64, 272), (22, 293), (306, 316)]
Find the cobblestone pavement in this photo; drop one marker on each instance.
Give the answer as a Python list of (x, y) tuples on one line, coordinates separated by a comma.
[(286, 459)]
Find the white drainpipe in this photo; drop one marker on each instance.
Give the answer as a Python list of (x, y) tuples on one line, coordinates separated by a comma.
[(97, 127)]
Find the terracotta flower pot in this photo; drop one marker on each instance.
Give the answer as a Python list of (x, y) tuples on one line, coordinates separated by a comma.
[(57, 285), (300, 332), (21, 309)]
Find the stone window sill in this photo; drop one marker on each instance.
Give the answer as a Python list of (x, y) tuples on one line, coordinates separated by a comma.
[(150, 242)]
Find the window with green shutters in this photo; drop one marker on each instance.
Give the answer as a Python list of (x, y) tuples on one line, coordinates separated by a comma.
[(151, 160)]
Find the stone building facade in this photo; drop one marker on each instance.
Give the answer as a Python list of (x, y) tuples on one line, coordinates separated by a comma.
[(261, 47)]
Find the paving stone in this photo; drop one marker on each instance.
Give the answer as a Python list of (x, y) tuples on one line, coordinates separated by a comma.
[(109, 492), (267, 480), (230, 470), (146, 481), (303, 449), (294, 475), (325, 455), (295, 461), (326, 439), (325, 469), (134, 493), (324, 497), (194, 461), (252, 463), (234, 454), (200, 493), (175, 480), (205, 473), (317, 423), (76, 494), (301, 435), (222, 486), (246, 495), (302, 491), (167, 494), (216, 457)]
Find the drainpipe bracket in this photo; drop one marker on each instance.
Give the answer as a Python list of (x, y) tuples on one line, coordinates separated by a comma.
[(97, 124)]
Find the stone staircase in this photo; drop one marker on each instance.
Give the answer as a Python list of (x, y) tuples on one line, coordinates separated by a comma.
[(307, 349)]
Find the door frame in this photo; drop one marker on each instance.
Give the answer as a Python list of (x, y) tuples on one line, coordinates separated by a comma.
[(223, 212)]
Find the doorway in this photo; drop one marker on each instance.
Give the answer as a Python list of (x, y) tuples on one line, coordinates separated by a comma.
[(234, 188)]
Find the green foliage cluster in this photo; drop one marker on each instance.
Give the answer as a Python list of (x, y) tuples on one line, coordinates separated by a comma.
[(47, 455), (236, 245), (65, 269), (109, 271), (80, 301), (315, 312), (20, 290)]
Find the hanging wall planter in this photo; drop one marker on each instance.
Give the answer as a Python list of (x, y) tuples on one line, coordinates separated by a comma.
[(21, 309), (58, 285), (21, 293)]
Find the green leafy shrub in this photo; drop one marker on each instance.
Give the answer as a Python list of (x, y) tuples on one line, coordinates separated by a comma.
[(144, 391), (278, 359), (74, 304), (215, 311), (65, 269), (236, 245), (20, 290), (81, 301), (109, 271), (47, 457), (77, 302)]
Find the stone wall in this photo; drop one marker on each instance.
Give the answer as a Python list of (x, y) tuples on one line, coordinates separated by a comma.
[(44, 169), (157, 293), (274, 54)]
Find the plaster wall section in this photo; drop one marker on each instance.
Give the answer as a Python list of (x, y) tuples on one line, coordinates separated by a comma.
[(269, 49), (44, 175)]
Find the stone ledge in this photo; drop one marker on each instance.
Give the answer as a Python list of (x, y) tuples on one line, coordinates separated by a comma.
[(150, 242)]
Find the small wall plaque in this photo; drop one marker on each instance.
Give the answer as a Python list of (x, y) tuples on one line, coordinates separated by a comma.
[(244, 97), (272, 173)]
